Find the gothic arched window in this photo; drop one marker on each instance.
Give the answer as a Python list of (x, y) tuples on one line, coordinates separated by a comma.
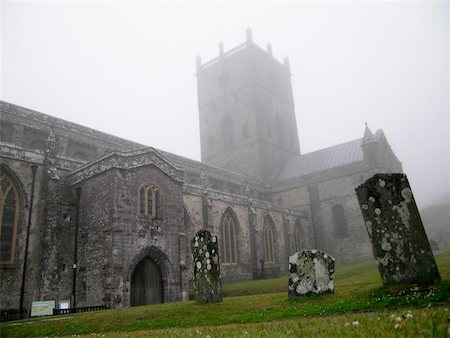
[(279, 125), (150, 201), (227, 133), (297, 236), (268, 239), (9, 217), (339, 221), (228, 238)]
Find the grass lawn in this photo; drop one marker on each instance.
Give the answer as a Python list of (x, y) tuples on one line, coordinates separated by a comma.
[(360, 306)]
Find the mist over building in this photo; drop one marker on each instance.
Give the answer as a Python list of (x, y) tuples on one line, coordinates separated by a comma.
[(110, 220)]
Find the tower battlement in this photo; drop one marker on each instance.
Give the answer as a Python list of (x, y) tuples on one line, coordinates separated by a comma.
[(246, 108)]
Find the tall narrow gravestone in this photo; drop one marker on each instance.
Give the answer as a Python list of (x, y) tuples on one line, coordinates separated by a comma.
[(205, 257), (399, 241)]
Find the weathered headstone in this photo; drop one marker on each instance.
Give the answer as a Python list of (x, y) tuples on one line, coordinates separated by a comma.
[(205, 257), (310, 272), (400, 244)]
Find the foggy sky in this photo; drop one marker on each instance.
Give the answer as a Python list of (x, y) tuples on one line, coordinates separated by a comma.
[(127, 68)]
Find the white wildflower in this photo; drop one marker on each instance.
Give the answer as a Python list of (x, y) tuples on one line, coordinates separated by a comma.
[(355, 323), (409, 315), (397, 326), (398, 319), (392, 316)]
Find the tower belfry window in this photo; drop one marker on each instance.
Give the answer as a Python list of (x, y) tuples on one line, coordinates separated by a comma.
[(150, 201), (275, 104), (279, 125), (227, 138)]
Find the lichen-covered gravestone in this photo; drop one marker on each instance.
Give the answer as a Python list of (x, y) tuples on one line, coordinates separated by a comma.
[(205, 257), (310, 272), (395, 228)]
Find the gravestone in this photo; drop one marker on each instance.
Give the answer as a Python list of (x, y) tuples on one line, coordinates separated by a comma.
[(400, 244), (310, 272), (205, 257)]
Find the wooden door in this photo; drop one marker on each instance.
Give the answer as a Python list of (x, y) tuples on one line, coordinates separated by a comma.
[(146, 283)]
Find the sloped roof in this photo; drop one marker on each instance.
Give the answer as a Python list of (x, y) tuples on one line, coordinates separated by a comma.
[(323, 159)]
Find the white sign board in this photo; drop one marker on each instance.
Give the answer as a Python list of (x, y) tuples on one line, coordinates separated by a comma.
[(42, 308)]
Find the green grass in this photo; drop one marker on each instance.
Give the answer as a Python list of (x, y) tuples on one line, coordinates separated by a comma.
[(265, 308)]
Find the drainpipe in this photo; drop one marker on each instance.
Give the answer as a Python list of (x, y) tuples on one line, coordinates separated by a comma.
[(75, 248), (34, 168)]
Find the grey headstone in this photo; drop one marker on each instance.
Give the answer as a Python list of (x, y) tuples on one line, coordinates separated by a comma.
[(205, 257), (400, 244), (310, 272)]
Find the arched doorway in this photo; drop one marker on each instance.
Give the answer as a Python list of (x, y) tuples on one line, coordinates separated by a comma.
[(146, 283)]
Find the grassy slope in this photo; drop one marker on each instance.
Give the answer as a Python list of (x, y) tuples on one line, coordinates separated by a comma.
[(357, 289)]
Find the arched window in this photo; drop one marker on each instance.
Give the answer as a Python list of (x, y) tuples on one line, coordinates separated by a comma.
[(150, 201), (297, 236), (9, 217), (228, 238), (227, 134), (268, 242), (279, 125), (245, 132), (339, 221)]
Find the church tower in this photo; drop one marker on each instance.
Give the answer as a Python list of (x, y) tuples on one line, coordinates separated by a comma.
[(246, 107)]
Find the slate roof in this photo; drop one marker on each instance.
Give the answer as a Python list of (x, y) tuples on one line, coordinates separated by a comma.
[(323, 159)]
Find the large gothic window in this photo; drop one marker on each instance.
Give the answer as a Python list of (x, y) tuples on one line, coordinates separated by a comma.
[(228, 237), (9, 216), (268, 239), (339, 221), (150, 201), (297, 236)]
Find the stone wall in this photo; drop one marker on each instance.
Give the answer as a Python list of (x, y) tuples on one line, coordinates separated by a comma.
[(29, 129), (315, 196), (115, 234)]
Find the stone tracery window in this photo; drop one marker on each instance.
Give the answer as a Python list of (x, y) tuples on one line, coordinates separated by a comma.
[(150, 201), (268, 239), (297, 236), (228, 238), (9, 216)]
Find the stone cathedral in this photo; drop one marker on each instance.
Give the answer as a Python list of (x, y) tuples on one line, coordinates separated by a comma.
[(96, 219)]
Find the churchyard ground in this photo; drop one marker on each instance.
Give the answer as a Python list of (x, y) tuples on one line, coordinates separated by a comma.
[(360, 307)]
